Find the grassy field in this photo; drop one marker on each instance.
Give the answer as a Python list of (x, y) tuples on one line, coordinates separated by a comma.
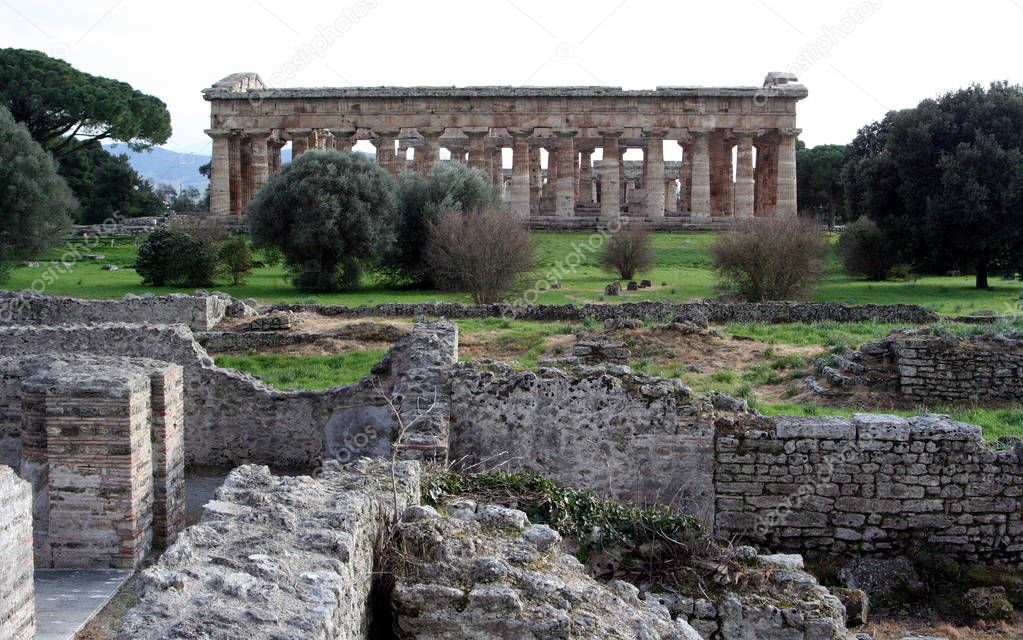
[(291, 373), (683, 272)]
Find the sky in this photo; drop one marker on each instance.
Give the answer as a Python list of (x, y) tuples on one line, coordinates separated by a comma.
[(859, 59)]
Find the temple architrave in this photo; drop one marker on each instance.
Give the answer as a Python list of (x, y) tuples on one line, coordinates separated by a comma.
[(738, 144)]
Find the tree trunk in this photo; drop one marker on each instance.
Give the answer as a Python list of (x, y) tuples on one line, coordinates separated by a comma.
[(982, 274)]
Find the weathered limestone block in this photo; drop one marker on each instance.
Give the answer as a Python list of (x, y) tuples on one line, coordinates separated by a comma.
[(17, 596), (200, 312), (275, 557)]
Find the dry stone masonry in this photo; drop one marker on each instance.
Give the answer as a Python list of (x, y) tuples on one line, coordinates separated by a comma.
[(252, 122), (276, 558), (17, 597), (200, 312)]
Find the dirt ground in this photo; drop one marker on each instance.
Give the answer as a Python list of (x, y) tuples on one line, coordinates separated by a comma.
[(896, 629)]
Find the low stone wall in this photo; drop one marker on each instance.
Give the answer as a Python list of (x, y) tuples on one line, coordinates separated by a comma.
[(17, 595), (699, 312), (276, 557), (872, 484), (232, 417), (631, 436), (199, 312), (974, 369)]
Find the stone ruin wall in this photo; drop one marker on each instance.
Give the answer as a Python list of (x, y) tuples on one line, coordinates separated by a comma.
[(276, 557), (976, 369), (199, 312), (873, 484), (635, 437), (699, 312), (17, 597), (233, 418)]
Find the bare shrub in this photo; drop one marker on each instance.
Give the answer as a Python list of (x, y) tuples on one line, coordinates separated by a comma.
[(770, 258), (866, 251), (629, 251), (486, 253)]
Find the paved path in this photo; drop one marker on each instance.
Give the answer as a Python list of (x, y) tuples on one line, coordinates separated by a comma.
[(67, 599)]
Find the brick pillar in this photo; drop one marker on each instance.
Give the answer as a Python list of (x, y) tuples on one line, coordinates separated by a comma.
[(700, 207), (260, 167), (17, 594), (519, 198), (786, 176), (220, 172), (653, 178), (429, 152), (744, 175), (99, 454), (564, 188), (344, 138), (610, 179), (299, 141), (168, 438), (234, 164), (477, 148), (535, 179)]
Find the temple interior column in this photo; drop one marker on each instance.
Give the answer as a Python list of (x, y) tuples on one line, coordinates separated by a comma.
[(610, 180), (260, 171), (700, 192), (566, 183), (670, 196), (428, 154), (245, 155), (220, 172), (744, 175), (235, 168), (623, 188), (765, 184), (274, 154), (384, 143), (653, 177), (535, 179), (519, 196), (685, 179), (786, 175), (299, 142), (586, 176), (478, 148), (496, 166)]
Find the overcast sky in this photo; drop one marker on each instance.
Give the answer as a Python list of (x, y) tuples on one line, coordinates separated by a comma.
[(858, 59)]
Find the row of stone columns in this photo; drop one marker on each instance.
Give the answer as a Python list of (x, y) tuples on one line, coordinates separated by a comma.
[(244, 159)]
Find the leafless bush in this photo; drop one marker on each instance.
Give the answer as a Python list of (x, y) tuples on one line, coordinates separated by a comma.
[(204, 228), (770, 258), (486, 253), (629, 251)]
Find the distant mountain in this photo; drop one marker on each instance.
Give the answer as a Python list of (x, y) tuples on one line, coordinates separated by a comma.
[(163, 166)]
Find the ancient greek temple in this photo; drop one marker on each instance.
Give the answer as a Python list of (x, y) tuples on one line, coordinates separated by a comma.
[(738, 144)]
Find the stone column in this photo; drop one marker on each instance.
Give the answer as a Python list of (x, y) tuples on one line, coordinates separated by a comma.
[(610, 180), (744, 175), (721, 192), (429, 152), (565, 185), (220, 172), (235, 167), (274, 155), (299, 141), (787, 173), (623, 189), (384, 143), (586, 176), (535, 179), (700, 207), (245, 148), (260, 164), (685, 179), (670, 196), (477, 147), (519, 198), (653, 179), (344, 138), (497, 169)]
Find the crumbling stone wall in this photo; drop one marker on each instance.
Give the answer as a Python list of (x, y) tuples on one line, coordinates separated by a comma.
[(232, 417), (201, 312), (871, 484), (276, 557), (629, 435), (699, 312), (974, 369), (17, 596)]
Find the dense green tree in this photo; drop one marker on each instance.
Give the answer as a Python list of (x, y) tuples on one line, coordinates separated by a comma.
[(819, 171), (236, 259), (329, 214), (940, 179), (449, 186), (866, 251), (66, 109), (187, 200), (35, 203), (107, 186), (172, 257)]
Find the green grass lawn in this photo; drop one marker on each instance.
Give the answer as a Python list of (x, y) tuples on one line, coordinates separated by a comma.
[(293, 372), (682, 273)]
